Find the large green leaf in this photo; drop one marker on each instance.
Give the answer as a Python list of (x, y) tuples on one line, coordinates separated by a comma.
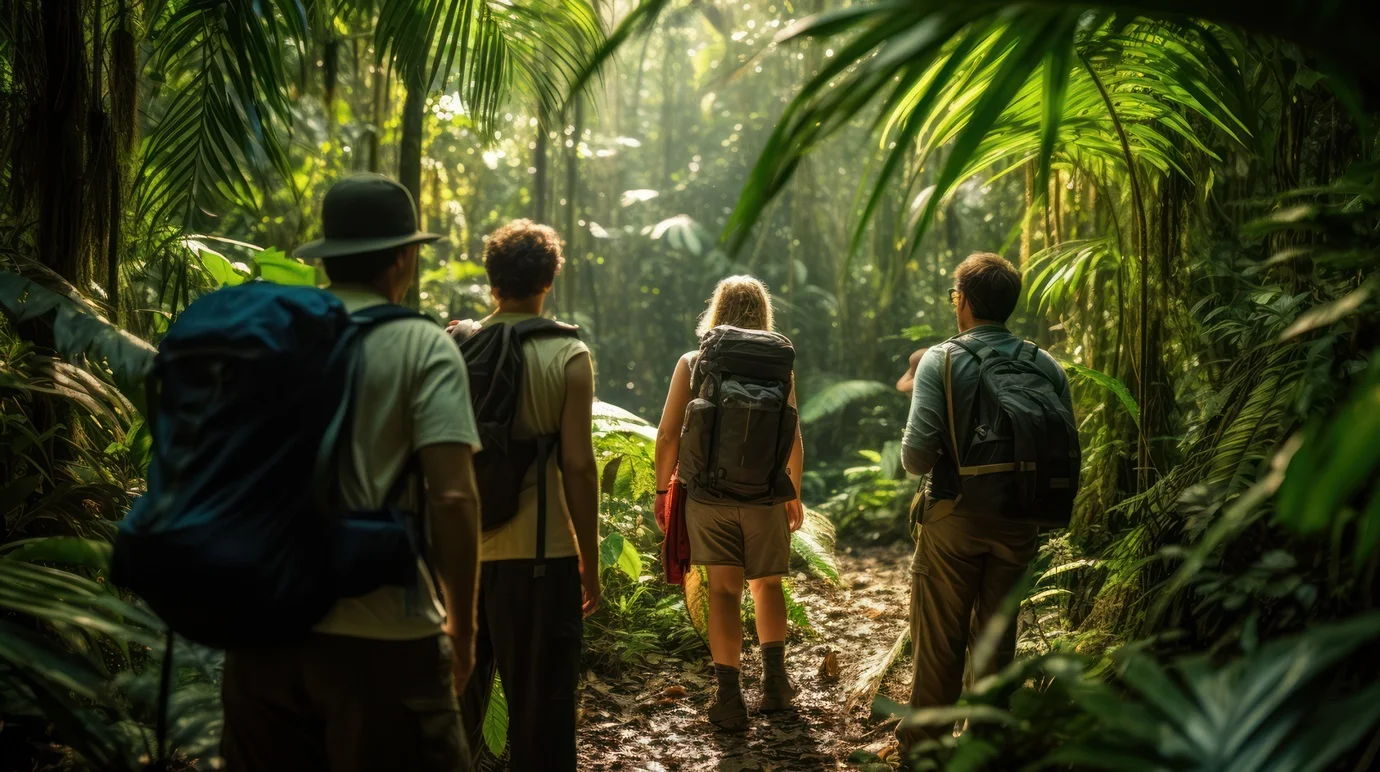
[(615, 550), (496, 719), (1337, 457), (1116, 387), (277, 267), (79, 332)]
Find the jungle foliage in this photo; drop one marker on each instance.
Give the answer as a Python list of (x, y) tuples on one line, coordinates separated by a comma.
[(1192, 190)]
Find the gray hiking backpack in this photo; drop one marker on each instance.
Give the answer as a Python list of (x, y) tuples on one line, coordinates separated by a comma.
[(1020, 458), (740, 427)]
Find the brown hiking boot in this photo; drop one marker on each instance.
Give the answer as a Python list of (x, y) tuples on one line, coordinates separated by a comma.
[(728, 712), (777, 692)]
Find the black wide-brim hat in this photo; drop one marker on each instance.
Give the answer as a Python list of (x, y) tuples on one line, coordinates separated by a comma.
[(365, 213)]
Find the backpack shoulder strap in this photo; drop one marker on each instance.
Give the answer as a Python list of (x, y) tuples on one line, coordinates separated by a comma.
[(541, 327), (981, 351), (383, 313), (345, 363), (949, 400)]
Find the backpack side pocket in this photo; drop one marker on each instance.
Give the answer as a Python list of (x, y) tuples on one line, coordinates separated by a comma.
[(696, 436)]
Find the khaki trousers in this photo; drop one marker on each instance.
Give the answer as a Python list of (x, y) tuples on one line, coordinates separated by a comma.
[(332, 703), (964, 567)]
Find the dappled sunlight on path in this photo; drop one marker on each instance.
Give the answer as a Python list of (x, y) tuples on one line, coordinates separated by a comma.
[(653, 719)]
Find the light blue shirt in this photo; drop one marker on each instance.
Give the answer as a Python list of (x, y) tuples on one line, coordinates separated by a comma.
[(926, 440)]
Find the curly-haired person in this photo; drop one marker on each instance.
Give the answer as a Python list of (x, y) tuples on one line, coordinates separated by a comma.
[(531, 597)]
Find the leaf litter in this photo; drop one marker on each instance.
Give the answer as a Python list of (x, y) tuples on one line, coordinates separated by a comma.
[(652, 718)]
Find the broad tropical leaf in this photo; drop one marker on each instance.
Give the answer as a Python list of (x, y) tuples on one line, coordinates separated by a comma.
[(836, 397)]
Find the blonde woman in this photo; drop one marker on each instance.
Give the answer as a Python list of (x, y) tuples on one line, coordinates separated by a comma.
[(743, 484)]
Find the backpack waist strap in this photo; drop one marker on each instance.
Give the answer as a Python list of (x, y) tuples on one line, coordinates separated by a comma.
[(1011, 466)]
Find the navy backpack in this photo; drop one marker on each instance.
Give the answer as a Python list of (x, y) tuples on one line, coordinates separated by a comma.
[(241, 539)]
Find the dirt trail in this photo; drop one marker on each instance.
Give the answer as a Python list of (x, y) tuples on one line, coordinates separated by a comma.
[(654, 720)]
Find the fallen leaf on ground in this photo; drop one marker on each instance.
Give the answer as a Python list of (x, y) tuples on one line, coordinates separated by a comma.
[(829, 668)]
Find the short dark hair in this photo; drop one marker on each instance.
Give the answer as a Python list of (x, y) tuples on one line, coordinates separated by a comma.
[(362, 268), (522, 258), (990, 284)]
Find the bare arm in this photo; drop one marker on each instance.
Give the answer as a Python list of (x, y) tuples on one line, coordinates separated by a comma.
[(795, 469), (580, 472), (907, 382), (672, 418), (453, 513)]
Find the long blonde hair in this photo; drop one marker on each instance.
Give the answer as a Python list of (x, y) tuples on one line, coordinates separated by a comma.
[(740, 301)]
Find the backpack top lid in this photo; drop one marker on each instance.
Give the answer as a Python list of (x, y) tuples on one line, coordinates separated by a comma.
[(273, 318), (761, 354)]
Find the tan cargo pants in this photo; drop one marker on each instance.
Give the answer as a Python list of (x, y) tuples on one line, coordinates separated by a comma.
[(964, 566)]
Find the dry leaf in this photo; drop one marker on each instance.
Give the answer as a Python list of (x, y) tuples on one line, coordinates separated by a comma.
[(829, 669)]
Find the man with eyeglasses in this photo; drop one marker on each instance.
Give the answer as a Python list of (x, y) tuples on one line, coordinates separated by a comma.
[(966, 561)]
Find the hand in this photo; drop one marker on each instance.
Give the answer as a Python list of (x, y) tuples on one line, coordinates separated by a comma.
[(461, 658), (661, 509), (795, 514), (589, 584), (462, 328)]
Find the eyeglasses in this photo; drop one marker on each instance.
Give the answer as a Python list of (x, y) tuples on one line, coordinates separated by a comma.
[(953, 292)]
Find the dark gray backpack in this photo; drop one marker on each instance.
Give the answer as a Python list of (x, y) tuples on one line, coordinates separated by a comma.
[(1020, 458), (740, 427)]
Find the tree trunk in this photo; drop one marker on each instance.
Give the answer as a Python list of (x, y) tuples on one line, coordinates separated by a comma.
[(378, 115), (572, 165), (539, 160), (410, 166), (62, 214)]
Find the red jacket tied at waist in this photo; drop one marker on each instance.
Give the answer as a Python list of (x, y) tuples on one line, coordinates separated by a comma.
[(675, 543)]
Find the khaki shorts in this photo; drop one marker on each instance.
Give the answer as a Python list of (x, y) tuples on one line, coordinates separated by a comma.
[(756, 538)]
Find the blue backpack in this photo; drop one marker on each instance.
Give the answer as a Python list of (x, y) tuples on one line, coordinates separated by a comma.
[(241, 539)]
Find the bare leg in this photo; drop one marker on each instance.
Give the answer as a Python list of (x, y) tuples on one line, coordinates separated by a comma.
[(770, 601), (726, 614)]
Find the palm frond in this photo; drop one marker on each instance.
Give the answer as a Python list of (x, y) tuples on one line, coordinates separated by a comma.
[(533, 50), (225, 123), (813, 544), (836, 397), (996, 88)]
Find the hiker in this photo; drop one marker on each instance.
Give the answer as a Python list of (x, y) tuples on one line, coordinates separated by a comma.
[(991, 423), (539, 492), (729, 433), (373, 686)]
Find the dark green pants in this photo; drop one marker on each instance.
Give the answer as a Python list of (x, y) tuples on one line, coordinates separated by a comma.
[(529, 632), (334, 703)]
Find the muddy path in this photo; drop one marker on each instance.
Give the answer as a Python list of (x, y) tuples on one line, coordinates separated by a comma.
[(653, 719)]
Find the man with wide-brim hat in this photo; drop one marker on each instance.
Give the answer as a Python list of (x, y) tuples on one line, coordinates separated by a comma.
[(374, 685), (366, 213)]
